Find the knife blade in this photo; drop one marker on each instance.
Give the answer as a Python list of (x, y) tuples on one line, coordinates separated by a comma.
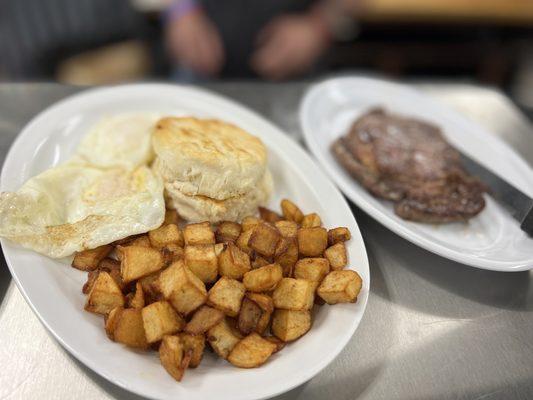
[(516, 202)]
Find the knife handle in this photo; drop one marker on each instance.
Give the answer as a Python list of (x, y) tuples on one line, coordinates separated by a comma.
[(527, 222)]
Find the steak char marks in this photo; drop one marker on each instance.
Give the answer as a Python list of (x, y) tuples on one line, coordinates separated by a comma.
[(409, 162)]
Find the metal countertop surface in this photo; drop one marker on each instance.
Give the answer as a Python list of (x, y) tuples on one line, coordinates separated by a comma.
[(433, 328)]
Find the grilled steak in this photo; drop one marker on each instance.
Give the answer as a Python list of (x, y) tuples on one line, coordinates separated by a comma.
[(409, 161)]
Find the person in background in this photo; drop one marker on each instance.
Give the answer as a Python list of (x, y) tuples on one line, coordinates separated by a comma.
[(274, 39)]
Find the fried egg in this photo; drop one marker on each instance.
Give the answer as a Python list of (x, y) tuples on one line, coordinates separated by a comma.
[(106, 192)]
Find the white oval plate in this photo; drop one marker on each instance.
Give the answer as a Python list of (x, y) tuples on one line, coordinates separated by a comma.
[(492, 240), (53, 289)]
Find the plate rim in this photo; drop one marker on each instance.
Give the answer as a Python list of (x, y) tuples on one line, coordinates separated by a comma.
[(401, 229), (242, 110)]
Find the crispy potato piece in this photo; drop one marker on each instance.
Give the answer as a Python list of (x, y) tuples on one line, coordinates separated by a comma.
[(173, 356), (137, 261), (242, 241), (199, 233), (172, 252), (291, 212), (233, 262), (263, 279), (258, 261), (249, 316), (107, 265), (204, 319), (312, 269), (340, 287), (311, 220), (150, 288), (280, 344), (226, 295), (195, 344), (337, 256), (160, 319), (164, 235), (171, 217), (88, 260), (340, 234), (129, 329), (251, 352), (91, 278), (219, 248), (282, 246), (290, 325), (269, 215), (288, 259), (264, 239), (312, 241), (223, 338), (136, 299), (228, 231), (294, 294), (104, 295), (142, 241), (202, 261), (111, 322), (262, 300), (249, 223), (287, 229), (183, 289)]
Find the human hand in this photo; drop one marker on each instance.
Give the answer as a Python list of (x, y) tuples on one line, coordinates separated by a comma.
[(194, 42), (289, 45)]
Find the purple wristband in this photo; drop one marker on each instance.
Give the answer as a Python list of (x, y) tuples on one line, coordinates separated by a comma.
[(179, 9)]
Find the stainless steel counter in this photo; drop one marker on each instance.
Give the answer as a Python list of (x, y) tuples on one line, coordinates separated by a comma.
[(433, 329)]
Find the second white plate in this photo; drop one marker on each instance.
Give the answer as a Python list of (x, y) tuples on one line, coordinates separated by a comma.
[(492, 240)]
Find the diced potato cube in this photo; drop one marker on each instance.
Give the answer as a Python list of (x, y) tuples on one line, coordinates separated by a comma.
[(204, 319), (312, 269), (104, 295), (150, 287), (173, 356), (242, 241), (255, 313), (311, 220), (136, 298), (226, 295), (289, 325), (340, 287), (171, 217), (228, 231), (202, 261), (141, 241), (291, 211), (288, 229), (194, 344), (251, 352), (113, 267), (223, 338), (111, 322), (336, 255), (312, 241), (183, 289), (164, 235), (129, 329), (88, 260), (172, 252), (249, 222), (337, 235), (259, 261), (263, 279), (264, 239), (294, 294), (288, 259), (137, 262), (199, 233), (160, 319), (269, 215), (233, 262), (219, 248)]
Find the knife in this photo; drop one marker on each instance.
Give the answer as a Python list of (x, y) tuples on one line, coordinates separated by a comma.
[(517, 203)]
